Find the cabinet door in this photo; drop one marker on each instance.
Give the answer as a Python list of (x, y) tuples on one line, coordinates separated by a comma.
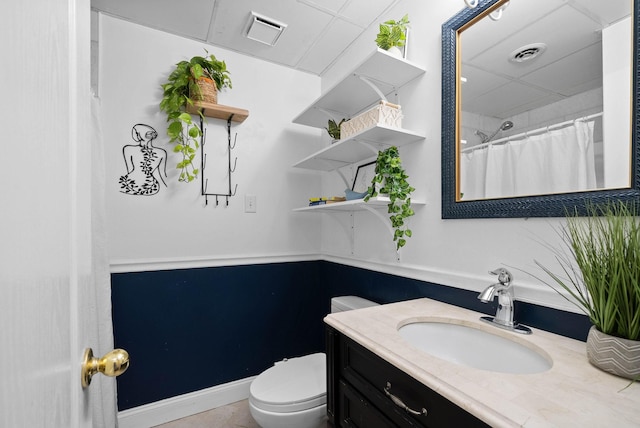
[(357, 412)]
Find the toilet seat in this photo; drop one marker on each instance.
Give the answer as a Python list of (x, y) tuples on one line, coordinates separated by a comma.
[(291, 385)]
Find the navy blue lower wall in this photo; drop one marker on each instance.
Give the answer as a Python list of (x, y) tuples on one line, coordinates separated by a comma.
[(191, 329)]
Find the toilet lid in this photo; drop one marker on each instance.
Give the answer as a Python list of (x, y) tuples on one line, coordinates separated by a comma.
[(292, 385)]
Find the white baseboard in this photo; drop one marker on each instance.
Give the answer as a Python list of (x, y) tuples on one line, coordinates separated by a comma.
[(185, 405)]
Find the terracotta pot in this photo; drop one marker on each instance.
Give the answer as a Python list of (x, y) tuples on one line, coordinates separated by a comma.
[(612, 354)]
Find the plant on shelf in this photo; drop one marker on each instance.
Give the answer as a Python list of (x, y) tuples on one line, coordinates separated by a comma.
[(333, 128), (393, 34), (390, 180), (181, 90), (600, 271)]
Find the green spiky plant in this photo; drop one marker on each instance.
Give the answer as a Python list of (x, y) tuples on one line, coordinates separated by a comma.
[(333, 128), (391, 180), (392, 33), (601, 267), (178, 93)]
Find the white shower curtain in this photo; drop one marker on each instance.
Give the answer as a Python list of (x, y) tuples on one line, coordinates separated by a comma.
[(556, 161), (103, 389)]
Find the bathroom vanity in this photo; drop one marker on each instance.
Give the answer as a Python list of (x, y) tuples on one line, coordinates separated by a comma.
[(366, 391), (376, 378)]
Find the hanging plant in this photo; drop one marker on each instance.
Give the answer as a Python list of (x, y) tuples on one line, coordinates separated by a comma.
[(390, 180), (181, 90)]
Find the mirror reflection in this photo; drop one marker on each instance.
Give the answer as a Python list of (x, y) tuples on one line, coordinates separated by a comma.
[(544, 103)]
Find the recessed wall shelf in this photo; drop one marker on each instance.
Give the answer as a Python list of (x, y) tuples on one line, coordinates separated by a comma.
[(219, 111)]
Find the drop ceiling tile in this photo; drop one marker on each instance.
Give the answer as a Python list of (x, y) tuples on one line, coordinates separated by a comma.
[(365, 12), (509, 98), (478, 82), (572, 74), (188, 18), (332, 6), (304, 26), (561, 40), (329, 46)]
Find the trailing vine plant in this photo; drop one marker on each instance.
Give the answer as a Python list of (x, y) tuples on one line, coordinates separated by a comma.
[(179, 91), (390, 179)]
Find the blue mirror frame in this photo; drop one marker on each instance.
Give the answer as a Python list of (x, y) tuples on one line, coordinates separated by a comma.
[(530, 206)]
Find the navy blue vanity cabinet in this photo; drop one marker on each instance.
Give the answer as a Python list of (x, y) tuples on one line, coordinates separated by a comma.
[(365, 391)]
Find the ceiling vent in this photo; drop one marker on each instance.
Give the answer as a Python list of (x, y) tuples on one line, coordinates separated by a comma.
[(264, 30), (527, 52)]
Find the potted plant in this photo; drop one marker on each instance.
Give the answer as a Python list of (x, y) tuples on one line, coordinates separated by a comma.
[(184, 87), (333, 128), (390, 180), (393, 35), (601, 274)]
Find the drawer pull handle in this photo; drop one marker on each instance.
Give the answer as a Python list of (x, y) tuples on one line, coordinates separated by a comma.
[(398, 402)]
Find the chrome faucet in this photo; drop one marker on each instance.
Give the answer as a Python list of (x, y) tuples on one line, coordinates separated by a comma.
[(504, 290)]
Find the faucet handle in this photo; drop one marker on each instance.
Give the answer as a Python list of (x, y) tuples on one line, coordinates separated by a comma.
[(504, 276)]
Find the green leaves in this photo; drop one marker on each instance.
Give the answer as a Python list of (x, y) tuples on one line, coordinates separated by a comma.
[(391, 179), (392, 33), (182, 130), (601, 267)]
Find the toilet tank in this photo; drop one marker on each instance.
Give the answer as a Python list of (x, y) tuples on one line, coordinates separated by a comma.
[(347, 303)]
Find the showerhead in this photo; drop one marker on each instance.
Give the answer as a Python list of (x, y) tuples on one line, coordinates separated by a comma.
[(507, 124)]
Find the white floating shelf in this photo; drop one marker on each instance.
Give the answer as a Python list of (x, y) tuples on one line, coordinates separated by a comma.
[(358, 147), (349, 96), (353, 205)]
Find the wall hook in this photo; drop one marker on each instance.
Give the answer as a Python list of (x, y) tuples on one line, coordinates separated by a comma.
[(235, 163), (235, 140)]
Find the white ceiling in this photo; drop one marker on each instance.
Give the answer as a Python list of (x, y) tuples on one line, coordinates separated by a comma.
[(317, 32), (572, 62)]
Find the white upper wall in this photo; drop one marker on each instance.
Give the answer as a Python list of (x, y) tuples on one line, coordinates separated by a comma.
[(175, 225)]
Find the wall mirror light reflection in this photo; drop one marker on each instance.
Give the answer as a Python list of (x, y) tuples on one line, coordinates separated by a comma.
[(504, 102), (544, 101)]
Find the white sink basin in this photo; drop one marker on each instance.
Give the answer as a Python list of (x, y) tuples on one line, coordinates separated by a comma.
[(473, 347)]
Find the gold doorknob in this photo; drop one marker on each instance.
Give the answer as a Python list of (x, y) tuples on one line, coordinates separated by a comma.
[(112, 364)]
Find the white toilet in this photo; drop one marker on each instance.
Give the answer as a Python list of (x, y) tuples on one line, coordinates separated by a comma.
[(293, 393)]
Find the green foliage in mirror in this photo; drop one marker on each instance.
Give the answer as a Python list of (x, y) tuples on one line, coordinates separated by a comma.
[(390, 179)]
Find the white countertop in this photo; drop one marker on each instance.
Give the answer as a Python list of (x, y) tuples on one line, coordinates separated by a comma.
[(572, 393)]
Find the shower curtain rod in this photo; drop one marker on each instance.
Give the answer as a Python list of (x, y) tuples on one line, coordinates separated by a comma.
[(534, 131)]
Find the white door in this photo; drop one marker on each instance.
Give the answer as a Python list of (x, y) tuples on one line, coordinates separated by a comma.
[(45, 239)]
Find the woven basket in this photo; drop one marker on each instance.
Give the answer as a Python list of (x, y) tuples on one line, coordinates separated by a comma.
[(204, 90)]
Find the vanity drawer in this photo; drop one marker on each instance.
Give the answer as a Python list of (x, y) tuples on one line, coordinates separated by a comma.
[(370, 375)]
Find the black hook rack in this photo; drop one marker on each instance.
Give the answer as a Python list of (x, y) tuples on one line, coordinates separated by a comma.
[(205, 181)]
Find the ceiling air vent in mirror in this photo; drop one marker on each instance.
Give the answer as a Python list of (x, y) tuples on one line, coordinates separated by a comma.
[(527, 52)]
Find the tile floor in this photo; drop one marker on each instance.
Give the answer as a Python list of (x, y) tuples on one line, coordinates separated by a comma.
[(235, 415)]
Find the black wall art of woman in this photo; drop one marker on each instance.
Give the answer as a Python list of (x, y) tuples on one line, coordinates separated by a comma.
[(145, 163)]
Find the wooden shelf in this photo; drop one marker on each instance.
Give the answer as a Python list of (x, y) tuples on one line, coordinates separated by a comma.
[(353, 205), (219, 111), (358, 147), (351, 95)]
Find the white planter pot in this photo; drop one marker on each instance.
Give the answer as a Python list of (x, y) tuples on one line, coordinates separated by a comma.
[(395, 51)]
